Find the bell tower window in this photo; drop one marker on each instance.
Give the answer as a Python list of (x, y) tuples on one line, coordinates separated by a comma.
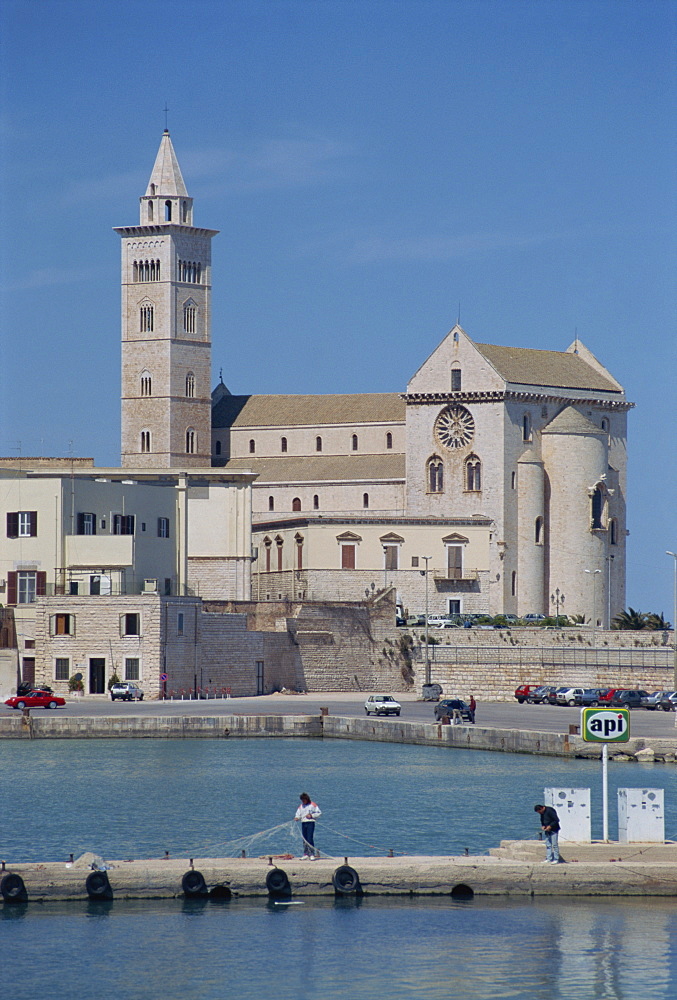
[(146, 384), (190, 441), (146, 319), (168, 211), (190, 385), (150, 211)]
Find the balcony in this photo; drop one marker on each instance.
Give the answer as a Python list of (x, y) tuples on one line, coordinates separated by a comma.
[(99, 551), (465, 575)]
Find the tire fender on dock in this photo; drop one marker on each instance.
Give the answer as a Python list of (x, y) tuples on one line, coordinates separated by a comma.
[(277, 882), (194, 885), (13, 889), (98, 887), (346, 881)]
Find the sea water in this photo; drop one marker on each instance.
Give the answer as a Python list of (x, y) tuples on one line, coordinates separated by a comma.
[(140, 798)]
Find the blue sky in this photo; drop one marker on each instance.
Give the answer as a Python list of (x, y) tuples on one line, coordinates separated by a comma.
[(372, 167)]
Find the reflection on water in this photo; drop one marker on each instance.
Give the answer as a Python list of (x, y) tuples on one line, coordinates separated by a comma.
[(561, 949)]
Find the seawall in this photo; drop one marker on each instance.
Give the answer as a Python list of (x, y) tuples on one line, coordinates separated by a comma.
[(53, 726), (233, 878)]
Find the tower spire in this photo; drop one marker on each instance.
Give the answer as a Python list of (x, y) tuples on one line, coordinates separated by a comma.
[(166, 198)]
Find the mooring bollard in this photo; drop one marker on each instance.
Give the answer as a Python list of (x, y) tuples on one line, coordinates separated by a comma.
[(324, 710)]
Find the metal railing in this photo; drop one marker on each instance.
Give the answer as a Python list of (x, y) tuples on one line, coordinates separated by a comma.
[(548, 657)]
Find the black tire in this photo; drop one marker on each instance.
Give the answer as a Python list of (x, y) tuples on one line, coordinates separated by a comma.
[(366, 711), (666, 708), (52, 704), (571, 702), (520, 701), (193, 885), (140, 697), (21, 704), (397, 713), (277, 883), (13, 889), (346, 881), (98, 886)]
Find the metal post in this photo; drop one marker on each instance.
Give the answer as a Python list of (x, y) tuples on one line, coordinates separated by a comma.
[(609, 560), (593, 573), (605, 793), (674, 622), (426, 559)]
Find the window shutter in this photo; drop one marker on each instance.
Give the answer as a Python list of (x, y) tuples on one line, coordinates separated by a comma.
[(33, 515), (40, 584), (81, 524), (12, 524), (11, 587)]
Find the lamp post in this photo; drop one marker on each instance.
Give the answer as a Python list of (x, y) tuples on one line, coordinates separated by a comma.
[(426, 560), (557, 599), (674, 621), (593, 573)]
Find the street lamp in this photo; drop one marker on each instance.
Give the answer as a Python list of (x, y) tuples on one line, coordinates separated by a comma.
[(593, 573), (557, 599), (674, 621), (426, 560)]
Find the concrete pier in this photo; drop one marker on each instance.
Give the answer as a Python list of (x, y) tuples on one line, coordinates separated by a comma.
[(514, 869), (51, 725)]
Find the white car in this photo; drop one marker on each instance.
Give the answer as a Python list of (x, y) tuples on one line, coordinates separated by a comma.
[(382, 704), (568, 696)]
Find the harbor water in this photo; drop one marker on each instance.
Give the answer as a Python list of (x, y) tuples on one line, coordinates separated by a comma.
[(197, 798)]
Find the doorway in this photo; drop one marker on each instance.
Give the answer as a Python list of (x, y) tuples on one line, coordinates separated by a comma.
[(97, 675)]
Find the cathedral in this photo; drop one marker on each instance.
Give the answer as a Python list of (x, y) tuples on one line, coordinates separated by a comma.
[(495, 482)]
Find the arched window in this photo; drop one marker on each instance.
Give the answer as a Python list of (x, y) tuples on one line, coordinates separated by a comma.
[(190, 385), (268, 546), (184, 211), (150, 211), (513, 583), (146, 384), (252, 446), (145, 442), (526, 427), (538, 531), (354, 442), (513, 480), (318, 443), (389, 440), (605, 424), (283, 444), (299, 551), (613, 531), (189, 315), (473, 474), (365, 500), (456, 378), (146, 319), (316, 502), (190, 441), (296, 504), (597, 508), (271, 503), (435, 475), (279, 542), (218, 448), (168, 211), (152, 189)]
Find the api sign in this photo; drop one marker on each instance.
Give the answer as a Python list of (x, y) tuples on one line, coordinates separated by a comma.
[(605, 725)]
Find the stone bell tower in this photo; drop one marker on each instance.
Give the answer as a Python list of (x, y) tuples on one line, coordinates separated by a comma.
[(166, 327)]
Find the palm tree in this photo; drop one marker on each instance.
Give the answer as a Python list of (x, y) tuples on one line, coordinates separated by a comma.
[(630, 621), (657, 623)]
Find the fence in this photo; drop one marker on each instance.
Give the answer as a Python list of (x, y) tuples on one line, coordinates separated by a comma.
[(548, 657)]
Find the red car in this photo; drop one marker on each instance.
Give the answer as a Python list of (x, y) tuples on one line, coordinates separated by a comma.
[(36, 699), (523, 692)]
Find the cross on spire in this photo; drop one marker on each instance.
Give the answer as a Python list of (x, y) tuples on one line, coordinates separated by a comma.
[(166, 111)]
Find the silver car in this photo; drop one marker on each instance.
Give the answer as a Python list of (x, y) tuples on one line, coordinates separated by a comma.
[(382, 704)]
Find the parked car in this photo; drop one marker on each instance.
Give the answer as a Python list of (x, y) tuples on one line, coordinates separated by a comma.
[(628, 699), (567, 696), (669, 702), (523, 691), (589, 697), (382, 704), (36, 699), (605, 698), (540, 695), (445, 709), (553, 693), (655, 700), (531, 617), (126, 691), (437, 621)]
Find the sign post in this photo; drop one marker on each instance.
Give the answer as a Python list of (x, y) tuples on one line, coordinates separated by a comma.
[(605, 726)]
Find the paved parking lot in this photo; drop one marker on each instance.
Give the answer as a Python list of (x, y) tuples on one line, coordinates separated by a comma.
[(502, 715)]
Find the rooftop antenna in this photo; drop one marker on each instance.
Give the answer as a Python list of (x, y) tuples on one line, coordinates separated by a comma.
[(166, 111)]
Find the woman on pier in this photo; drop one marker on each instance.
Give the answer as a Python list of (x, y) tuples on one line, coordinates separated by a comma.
[(306, 814)]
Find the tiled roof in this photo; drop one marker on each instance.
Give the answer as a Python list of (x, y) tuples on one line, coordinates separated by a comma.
[(562, 369), (321, 468), (571, 421), (295, 411)]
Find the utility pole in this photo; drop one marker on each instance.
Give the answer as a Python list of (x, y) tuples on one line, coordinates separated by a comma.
[(426, 560)]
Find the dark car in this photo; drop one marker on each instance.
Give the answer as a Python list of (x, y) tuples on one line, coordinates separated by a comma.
[(589, 697), (657, 699), (628, 699), (540, 695), (668, 702), (552, 694), (445, 709), (36, 699)]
